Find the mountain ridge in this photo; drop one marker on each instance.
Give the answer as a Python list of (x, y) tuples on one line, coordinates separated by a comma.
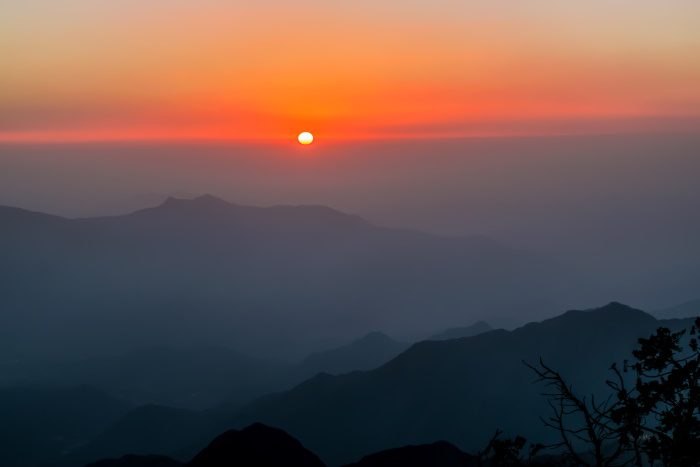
[(426, 392), (431, 391), (129, 279)]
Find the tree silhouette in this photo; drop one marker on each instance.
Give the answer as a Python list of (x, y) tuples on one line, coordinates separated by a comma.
[(665, 398), (652, 417), (580, 421)]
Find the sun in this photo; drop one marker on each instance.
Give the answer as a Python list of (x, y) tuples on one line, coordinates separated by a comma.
[(305, 137)]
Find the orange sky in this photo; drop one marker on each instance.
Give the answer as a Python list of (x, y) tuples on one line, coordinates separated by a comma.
[(101, 70)]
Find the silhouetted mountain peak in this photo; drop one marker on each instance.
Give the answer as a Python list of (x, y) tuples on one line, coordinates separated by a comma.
[(256, 445), (209, 206), (617, 307), (612, 315), (613, 310)]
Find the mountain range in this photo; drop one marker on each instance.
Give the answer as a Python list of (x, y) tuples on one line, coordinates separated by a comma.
[(199, 377), (438, 390), (458, 390), (205, 271)]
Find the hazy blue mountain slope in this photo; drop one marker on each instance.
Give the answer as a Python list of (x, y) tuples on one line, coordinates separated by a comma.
[(208, 271), (458, 390)]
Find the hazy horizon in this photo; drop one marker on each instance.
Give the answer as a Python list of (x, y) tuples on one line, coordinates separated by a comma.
[(617, 202)]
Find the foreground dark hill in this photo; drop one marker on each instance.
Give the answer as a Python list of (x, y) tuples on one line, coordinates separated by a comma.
[(255, 446), (458, 390), (208, 271)]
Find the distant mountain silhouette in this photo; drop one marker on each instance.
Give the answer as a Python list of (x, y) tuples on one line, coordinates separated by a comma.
[(131, 460), (458, 390), (366, 353), (39, 423), (255, 446), (688, 309), (208, 271), (196, 377), (438, 454), (465, 331)]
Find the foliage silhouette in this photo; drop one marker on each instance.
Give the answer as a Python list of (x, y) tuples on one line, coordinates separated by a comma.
[(652, 417)]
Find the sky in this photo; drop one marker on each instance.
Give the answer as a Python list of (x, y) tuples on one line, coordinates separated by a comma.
[(265, 70)]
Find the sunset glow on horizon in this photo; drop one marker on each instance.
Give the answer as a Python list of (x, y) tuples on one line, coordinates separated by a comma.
[(79, 70)]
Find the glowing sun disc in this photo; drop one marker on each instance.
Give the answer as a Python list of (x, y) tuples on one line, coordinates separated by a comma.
[(305, 137)]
